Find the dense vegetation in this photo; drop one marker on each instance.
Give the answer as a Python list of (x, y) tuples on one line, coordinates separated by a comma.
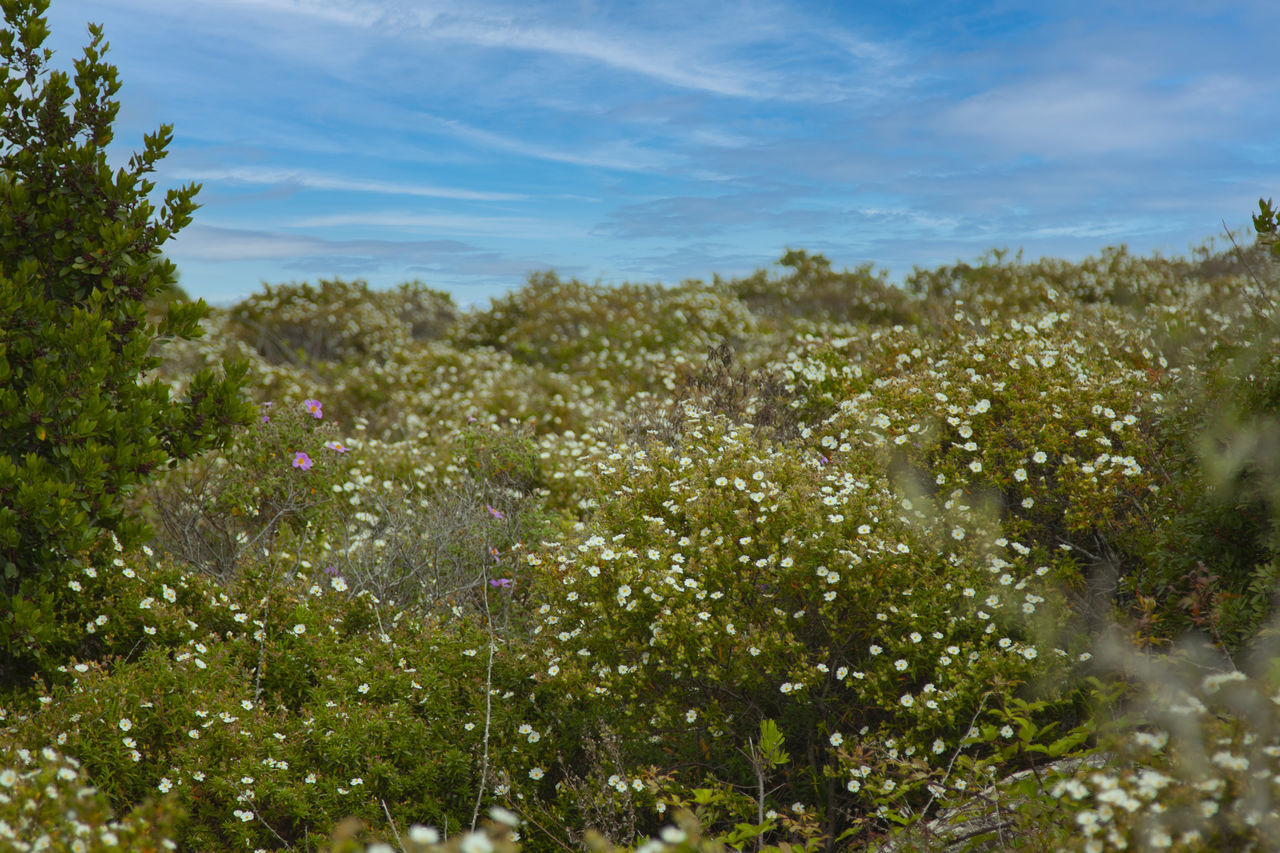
[(801, 560)]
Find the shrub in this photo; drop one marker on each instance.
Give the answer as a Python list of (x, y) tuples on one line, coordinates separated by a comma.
[(812, 291), (621, 339), (81, 426), (339, 321), (47, 803), (275, 480), (272, 708), (727, 581)]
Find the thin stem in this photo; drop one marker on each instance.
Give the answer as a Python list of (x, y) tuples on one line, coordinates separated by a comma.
[(488, 708), (392, 821)]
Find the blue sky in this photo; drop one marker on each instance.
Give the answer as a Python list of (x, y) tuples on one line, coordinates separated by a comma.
[(466, 144)]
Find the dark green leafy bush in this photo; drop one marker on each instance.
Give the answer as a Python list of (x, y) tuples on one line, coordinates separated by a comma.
[(81, 425)]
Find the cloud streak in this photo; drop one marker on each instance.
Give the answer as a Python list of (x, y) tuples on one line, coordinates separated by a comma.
[(304, 179)]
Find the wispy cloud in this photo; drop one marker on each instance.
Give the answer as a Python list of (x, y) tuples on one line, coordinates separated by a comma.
[(1088, 114), (504, 226), (619, 155), (646, 58), (304, 179)]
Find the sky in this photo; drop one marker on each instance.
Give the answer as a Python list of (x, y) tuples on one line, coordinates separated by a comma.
[(467, 144)]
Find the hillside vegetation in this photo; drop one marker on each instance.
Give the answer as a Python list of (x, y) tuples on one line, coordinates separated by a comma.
[(813, 557), (804, 560)]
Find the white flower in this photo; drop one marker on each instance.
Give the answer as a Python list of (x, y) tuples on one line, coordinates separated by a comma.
[(690, 715), (420, 834), (165, 785), (536, 773), (299, 629), (837, 739), (125, 724)]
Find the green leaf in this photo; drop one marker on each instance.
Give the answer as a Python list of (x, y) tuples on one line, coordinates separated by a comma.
[(771, 744)]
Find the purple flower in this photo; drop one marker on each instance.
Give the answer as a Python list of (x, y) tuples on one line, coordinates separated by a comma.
[(495, 513), (502, 582), (337, 445), (266, 418), (823, 459), (313, 407), (332, 570), (301, 460)]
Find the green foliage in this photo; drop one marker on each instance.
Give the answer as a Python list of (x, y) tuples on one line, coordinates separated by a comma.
[(264, 712), (340, 321), (46, 802), (626, 338), (81, 426), (1267, 223), (268, 489), (813, 291)]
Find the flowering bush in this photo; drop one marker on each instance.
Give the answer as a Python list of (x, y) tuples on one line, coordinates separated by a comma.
[(271, 488)]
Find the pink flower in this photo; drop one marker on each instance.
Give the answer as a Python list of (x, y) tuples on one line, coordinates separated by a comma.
[(301, 460), (337, 445), (313, 407), (502, 582), (494, 512)]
